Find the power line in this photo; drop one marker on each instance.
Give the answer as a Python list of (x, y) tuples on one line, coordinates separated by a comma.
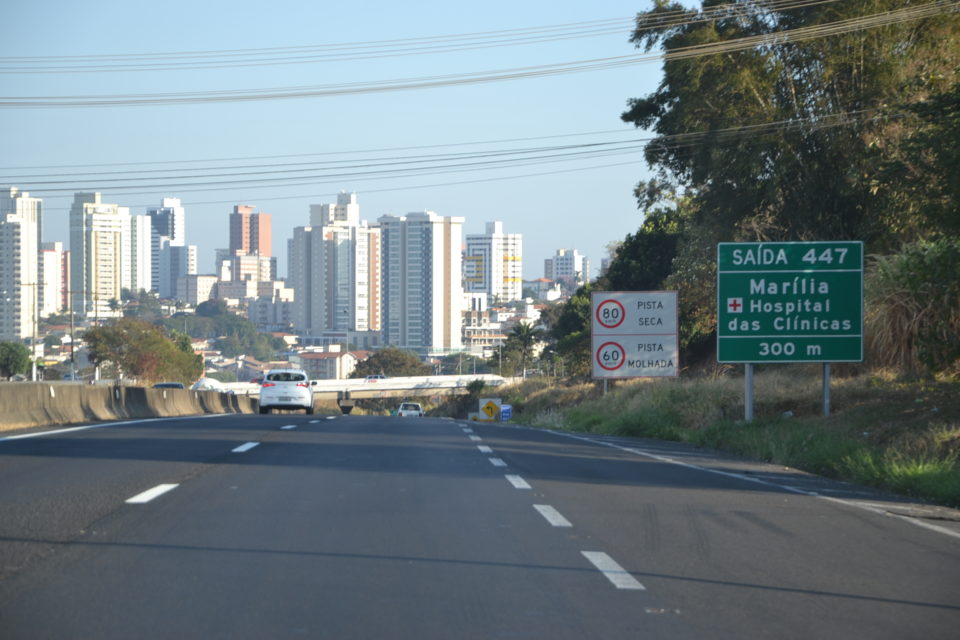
[(326, 154), (341, 52), (800, 34), (419, 165)]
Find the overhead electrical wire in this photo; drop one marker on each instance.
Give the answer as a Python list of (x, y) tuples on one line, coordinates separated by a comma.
[(800, 34), (394, 167), (190, 60)]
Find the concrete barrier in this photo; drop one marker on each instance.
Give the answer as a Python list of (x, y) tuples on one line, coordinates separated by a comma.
[(37, 404)]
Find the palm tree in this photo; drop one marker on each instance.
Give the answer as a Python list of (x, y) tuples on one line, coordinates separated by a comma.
[(524, 336)]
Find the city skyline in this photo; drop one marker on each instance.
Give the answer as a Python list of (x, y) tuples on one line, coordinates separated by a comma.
[(543, 153)]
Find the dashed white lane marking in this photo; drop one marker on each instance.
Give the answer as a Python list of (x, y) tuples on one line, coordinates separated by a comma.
[(150, 494), (497, 462), (289, 426), (314, 422), (476, 438), (331, 417), (467, 430), (552, 515), (245, 447), (484, 448), (517, 482), (613, 571)]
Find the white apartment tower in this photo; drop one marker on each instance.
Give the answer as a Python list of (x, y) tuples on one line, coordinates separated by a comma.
[(334, 269), (109, 251), (20, 217), (493, 264), (422, 282), (569, 265), (171, 257), (53, 283)]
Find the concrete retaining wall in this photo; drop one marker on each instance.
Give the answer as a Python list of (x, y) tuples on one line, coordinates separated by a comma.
[(37, 404)]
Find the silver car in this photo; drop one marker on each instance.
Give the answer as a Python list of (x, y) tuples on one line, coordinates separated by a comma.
[(286, 389)]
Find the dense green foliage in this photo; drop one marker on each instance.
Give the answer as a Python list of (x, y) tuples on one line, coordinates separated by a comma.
[(233, 335), (142, 351), (391, 361), (854, 136), (14, 358), (913, 308)]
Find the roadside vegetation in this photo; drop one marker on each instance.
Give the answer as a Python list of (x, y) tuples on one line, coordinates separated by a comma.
[(883, 432), (772, 167)]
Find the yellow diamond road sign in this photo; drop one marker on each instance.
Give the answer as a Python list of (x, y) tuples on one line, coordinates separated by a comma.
[(491, 409)]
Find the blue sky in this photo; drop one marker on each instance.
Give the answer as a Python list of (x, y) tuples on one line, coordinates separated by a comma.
[(583, 203)]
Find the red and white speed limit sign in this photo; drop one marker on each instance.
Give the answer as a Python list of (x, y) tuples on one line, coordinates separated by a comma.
[(611, 356), (633, 334), (610, 313)]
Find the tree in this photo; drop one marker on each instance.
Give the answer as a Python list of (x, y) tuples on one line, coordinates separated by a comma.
[(851, 136), (787, 141), (14, 359), (391, 361), (924, 177), (571, 331), (644, 259), (522, 339), (141, 351)]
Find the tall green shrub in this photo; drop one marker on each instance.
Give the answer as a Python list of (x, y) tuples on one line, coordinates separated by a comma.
[(913, 308)]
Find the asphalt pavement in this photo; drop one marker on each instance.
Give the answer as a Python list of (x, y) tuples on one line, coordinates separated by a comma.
[(293, 526)]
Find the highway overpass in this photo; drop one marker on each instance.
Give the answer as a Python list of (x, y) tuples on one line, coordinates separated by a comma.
[(398, 387)]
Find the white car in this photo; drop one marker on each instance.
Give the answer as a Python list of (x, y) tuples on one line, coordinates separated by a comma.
[(410, 409), (286, 389)]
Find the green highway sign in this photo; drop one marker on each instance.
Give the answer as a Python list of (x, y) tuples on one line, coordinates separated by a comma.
[(789, 302)]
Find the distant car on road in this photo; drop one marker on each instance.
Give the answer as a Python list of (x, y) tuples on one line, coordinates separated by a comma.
[(410, 409), (286, 389), (375, 378), (169, 385)]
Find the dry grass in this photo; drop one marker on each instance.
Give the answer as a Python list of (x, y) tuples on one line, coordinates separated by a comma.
[(883, 431)]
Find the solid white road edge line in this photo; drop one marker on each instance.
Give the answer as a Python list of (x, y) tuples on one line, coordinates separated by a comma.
[(813, 494), (552, 516), (100, 425), (150, 494), (613, 571), (517, 482), (245, 447)]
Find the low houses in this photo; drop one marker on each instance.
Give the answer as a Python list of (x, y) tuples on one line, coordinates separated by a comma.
[(323, 365)]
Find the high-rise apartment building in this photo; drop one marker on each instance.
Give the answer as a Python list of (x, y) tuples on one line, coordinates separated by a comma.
[(334, 268), (53, 282), (568, 265), (250, 232), (250, 256), (172, 258), (109, 251), (493, 264), (422, 282), (20, 217), (140, 274)]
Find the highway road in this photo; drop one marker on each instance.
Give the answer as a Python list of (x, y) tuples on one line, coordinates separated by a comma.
[(292, 526)]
